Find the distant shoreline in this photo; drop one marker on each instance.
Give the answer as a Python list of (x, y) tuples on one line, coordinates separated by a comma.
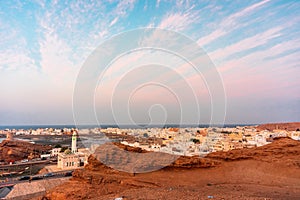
[(141, 126), (26, 127)]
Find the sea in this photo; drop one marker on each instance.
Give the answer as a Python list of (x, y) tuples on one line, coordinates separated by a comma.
[(33, 127)]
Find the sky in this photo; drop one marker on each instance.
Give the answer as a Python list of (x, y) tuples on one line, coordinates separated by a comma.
[(254, 46)]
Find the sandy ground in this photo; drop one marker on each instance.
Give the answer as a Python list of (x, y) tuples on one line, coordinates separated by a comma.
[(234, 180), (269, 172)]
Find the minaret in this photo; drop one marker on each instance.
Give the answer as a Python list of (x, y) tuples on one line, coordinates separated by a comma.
[(74, 142)]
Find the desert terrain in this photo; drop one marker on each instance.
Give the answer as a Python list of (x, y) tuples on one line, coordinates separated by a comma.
[(17, 150), (268, 172), (289, 126)]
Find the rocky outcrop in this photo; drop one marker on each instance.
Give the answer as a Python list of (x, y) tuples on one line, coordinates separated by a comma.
[(136, 160), (291, 126), (17, 150)]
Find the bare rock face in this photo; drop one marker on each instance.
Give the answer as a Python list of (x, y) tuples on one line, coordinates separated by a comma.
[(17, 150), (136, 160), (193, 162), (291, 126)]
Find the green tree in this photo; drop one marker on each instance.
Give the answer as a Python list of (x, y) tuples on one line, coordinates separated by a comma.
[(57, 146), (63, 149), (146, 135), (196, 141)]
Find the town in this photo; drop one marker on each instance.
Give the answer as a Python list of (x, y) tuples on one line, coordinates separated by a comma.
[(187, 141), (29, 155)]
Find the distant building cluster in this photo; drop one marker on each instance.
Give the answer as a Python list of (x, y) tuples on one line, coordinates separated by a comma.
[(39, 131), (180, 141), (200, 141)]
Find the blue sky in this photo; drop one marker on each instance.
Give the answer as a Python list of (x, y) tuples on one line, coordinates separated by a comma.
[(254, 45)]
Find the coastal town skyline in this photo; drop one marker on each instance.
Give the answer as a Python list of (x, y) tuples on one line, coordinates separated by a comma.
[(253, 45), (128, 99)]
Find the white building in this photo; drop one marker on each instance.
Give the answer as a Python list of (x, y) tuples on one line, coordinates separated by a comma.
[(55, 151), (74, 158)]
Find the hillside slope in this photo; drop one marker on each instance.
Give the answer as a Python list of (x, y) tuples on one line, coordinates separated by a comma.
[(17, 150), (289, 126), (271, 172)]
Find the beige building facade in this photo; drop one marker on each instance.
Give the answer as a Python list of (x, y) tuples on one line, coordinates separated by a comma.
[(71, 161)]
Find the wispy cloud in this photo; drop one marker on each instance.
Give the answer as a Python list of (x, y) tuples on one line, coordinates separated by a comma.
[(179, 21), (13, 52), (257, 75), (261, 58), (246, 44), (157, 3), (12, 60), (124, 7), (55, 58), (230, 23), (113, 21)]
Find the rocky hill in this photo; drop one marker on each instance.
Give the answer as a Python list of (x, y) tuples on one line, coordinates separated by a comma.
[(290, 126), (15, 150), (268, 172), (136, 160), (280, 149)]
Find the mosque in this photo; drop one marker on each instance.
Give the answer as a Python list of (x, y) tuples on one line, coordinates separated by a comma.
[(74, 158)]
